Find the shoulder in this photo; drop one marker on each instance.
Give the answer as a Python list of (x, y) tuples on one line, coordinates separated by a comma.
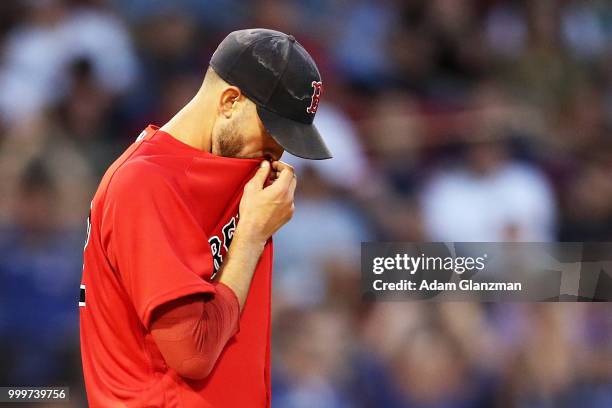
[(143, 177), (138, 171)]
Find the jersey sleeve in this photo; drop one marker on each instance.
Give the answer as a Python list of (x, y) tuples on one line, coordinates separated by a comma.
[(153, 241)]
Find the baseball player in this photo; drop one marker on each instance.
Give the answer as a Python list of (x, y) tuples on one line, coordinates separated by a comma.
[(171, 314)]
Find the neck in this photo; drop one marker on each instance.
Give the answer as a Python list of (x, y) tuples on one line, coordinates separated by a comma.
[(193, 124)]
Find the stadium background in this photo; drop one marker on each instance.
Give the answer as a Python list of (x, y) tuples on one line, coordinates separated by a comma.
[(450, 121)]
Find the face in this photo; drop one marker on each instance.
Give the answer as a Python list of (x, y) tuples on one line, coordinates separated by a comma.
[(240, 133)]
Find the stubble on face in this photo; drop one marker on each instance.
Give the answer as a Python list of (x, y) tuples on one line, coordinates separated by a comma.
[(229, 142)]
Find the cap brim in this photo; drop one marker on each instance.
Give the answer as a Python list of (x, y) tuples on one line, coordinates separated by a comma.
[(299, 139)]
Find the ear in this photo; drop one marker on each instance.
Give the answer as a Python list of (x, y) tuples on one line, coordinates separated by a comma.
[(227, 100)]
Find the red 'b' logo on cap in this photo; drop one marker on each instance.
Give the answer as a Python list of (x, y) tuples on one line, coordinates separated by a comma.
[(316, 96)]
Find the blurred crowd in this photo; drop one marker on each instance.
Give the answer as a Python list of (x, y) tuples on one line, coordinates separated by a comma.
[(449, 120)]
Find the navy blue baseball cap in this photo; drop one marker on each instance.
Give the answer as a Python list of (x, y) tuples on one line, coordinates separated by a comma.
[(275, 72)]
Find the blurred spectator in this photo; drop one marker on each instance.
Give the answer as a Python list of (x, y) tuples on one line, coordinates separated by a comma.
[(32, 74), (431, 370), (583, 29), (361, 47), (589, 218), (323, 227), (39, 263), (83, 120), (489, 198), (506, 30), (311, 360), (488, 195)]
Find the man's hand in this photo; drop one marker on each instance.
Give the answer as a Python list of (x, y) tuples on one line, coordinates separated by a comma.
[(264, 209), (277, 168)]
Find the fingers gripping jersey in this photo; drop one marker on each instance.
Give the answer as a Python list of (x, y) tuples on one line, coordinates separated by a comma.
[(160, 224)]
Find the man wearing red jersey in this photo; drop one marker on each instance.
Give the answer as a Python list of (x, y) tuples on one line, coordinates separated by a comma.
[(171, 314)]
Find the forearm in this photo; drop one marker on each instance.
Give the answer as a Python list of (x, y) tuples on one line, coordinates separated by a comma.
[(240, 263), (191, 332), (263, 210)]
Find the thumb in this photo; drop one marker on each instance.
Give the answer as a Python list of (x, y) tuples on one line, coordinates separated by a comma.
[(261, 175)]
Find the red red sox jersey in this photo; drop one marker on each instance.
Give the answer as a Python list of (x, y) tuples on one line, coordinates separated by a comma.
[(160, 224)]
